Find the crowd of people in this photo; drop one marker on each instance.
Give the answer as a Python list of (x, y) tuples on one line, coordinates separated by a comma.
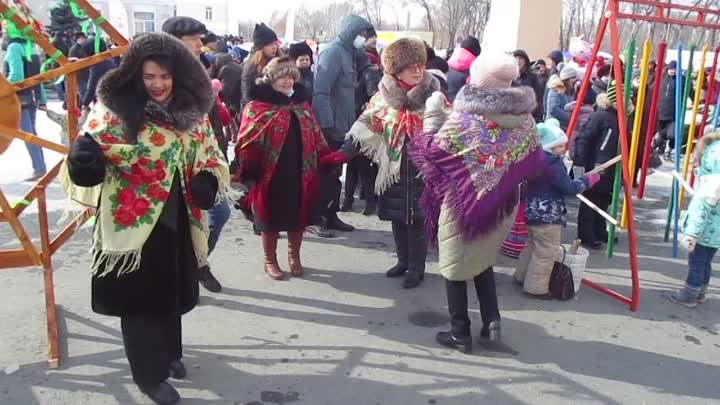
[(464, 154)]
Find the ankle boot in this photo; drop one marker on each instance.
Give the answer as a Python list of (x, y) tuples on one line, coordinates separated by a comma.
[(161, 394), (294, 242), (269, 242)]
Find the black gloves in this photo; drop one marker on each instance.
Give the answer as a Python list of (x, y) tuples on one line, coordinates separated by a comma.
[(86, 162), (203, 190)]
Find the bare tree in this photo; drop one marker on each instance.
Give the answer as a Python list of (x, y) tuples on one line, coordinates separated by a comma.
[(372, 9), (452, 15), (429, 10), (278, 20)]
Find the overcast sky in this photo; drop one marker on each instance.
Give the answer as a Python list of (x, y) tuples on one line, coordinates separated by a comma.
[(262, 9)]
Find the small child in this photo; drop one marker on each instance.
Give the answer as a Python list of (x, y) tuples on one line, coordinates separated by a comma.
[(545, 212), (700, 223)]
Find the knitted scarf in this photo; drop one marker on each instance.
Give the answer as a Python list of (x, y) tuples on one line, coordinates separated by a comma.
[(479, 158), (263, 132), (392, 117), (137, 185)]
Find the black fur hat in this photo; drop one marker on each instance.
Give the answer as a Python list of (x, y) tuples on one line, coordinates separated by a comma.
[(122, 91), (300, 49), (263, 36), (181, 26), (403, 53)]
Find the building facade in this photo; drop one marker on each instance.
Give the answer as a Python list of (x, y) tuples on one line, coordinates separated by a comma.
[(215, 14)]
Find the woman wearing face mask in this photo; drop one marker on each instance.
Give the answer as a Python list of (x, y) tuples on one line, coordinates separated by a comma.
[(149, 164), (278, 149), (265, 45), (393, 117)]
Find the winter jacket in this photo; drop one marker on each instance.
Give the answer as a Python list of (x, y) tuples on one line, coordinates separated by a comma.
[(598, 142), (18, 68), (239, 53), (368, 80), (702, 218), (307, 79), (583, 118), (556, 99), (336, 78), (80, 52), (666, 102), (97, 71), (527, 78), (231, 94), (545, 202), (459, 72), (247, 80)]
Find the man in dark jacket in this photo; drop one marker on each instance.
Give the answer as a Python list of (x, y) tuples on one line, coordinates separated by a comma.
[(334, 101), (555, 58), (459, 64), (190, 31), (97, 71), (302, 54), (666, 111), (527, 78), (80, 51)]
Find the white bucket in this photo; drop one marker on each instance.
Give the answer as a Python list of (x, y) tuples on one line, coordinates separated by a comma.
[(576, 262)]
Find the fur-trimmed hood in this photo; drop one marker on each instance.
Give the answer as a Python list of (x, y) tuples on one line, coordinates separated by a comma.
[(554, 83), (508, 107), (121, 90), (414, 99)]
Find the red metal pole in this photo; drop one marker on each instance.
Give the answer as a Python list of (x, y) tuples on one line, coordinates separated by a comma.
[(588, 75), (625, 151), (672, 6), (652, 118)]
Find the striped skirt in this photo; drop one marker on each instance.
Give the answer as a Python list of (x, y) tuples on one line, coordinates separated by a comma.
[(517, 238)]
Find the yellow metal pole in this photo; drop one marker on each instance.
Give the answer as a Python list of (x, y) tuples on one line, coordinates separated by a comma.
[(637, 124), (693, 124)]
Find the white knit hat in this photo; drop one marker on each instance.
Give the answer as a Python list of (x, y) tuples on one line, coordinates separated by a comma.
[(569, 72), (494, 70)]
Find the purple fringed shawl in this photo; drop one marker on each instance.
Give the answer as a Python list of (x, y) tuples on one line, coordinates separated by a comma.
[(478, 168)]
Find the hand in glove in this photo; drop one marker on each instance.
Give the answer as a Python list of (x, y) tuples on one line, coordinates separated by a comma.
[(592, 179), (437, 109), (203, 190), (332, 159), (688, 242), (86, 162)]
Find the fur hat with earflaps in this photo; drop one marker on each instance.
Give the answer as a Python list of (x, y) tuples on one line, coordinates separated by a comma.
[(403, 53), (277, 68)]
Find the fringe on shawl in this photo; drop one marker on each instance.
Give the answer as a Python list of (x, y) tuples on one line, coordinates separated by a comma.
[(476, 216), (374, 147)]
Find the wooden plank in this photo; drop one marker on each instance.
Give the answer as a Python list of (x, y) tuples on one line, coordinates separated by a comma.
[(71, 86), (40, 39), (63, 70), (48, 283), (12, 133), (19, 230), (114, 34), (597, 209), (31, 195), (13, 258)]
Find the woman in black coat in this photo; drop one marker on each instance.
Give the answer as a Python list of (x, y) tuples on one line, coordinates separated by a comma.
[(150, 163)]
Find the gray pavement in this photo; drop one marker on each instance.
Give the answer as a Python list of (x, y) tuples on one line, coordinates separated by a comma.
[(346, 335)]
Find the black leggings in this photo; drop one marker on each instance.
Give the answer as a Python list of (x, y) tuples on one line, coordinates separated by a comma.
[(151, 342)]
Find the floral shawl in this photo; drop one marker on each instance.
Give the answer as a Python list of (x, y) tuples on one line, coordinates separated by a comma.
[(392, 116), (137, 185), (477, 161)]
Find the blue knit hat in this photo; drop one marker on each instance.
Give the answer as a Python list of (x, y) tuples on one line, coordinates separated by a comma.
[(551, 135)]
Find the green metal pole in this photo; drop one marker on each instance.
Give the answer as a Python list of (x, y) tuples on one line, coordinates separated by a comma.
[(627, 87)]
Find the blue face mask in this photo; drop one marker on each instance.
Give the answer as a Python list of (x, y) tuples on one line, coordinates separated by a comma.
[(359, 41)]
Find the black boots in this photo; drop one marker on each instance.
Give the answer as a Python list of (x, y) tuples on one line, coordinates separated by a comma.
[(459, 336), (177, 370), (208, 280), (161, 394), (333, 222), (411, 250)]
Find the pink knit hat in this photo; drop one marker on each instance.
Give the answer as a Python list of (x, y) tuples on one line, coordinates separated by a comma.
[(493, 70)]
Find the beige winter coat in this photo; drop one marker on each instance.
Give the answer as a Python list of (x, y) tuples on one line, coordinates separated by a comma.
[(460, 261)]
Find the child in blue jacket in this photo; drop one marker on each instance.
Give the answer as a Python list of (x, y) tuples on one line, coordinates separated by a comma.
[(701, 223), (545, 212)]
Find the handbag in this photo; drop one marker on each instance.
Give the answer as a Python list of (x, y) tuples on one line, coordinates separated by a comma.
[(562, 285)]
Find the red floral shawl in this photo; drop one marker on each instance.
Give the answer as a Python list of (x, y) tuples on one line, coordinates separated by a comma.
[(263, 132)]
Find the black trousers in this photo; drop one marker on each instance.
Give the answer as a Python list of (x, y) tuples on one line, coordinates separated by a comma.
[(458, 302), (591, 225), (151, 342), (410, 245), (360, 170), (330, 186)]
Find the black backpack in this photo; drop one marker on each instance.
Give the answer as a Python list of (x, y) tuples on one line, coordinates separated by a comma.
[(562, 286)]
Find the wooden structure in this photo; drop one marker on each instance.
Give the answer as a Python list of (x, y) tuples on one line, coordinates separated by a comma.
[(30, 255), (613, 14)]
